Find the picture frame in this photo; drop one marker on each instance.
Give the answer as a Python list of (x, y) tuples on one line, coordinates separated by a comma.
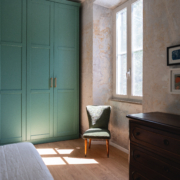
[(175, 81), (173, 55)]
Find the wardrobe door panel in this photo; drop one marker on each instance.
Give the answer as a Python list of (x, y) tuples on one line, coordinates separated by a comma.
[(66, 93), (12, 71), (11, 117), (11, 20), (67, 72), (66, 26), (39, 69), (40, 14), (66, 113), (40, 115)]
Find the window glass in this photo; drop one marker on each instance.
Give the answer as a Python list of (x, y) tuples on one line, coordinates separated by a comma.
[(137, 47), (121, 52)]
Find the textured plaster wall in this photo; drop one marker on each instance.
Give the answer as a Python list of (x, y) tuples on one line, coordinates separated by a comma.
[(86, 62), (119, 124), (161, 29), (102, 55), (96, 58), (96, 71)]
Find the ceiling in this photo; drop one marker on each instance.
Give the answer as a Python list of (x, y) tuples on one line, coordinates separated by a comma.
[(105, 3), (109, 3)]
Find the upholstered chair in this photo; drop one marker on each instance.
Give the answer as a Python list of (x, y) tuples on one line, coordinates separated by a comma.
[(98, 117)]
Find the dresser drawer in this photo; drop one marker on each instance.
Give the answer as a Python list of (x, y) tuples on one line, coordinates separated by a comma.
[(135, 175), (155, 162), (142, 173), (148, 136)]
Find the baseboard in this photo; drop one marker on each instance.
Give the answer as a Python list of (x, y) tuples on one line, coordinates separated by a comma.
[(119, 147), (111, 143)]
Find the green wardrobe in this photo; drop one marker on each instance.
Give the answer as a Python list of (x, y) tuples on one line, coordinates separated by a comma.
[(39, 65)]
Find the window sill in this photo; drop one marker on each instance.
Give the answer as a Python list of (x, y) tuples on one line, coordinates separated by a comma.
[(127, 101)]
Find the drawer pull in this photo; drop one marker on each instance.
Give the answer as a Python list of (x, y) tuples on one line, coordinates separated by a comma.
[(55, 82), (138, 178), (137, 156), (165, 169), (166, 142), (51, 82), (137, 133)]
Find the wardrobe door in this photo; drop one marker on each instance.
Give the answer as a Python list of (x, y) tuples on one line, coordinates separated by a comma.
[(39, 69), (12, 70), (66, 68)]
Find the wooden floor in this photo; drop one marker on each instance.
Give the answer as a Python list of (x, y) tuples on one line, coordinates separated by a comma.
[(66, 160)]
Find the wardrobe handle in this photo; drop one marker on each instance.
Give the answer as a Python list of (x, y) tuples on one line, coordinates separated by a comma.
[(166, 142), (51, 82), (55, 82)]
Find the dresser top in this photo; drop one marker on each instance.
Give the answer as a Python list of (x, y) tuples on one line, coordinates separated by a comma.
[(158, 118)]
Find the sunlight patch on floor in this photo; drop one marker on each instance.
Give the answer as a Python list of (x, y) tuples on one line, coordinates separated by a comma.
[(64, 151), (53, 161), (46, 151), (70, 160)]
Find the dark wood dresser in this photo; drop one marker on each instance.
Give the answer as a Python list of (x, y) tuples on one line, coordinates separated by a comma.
[(154, 146)]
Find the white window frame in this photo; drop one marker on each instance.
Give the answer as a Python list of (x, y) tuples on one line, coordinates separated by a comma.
[(129, 96)]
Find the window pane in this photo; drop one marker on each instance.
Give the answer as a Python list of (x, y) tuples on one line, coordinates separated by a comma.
[(121, 56), (137, 47), (137, 73), (121, 75), (137, 25)]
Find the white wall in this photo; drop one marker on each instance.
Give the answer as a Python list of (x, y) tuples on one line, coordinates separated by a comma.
[(161, 30)]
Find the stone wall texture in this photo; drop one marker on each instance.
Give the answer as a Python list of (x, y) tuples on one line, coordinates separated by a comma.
[(97, 71), (102, 55), (161, 30), (119, 124), (96, 58), (86, 72)]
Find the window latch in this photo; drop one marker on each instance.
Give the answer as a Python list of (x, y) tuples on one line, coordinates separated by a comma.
[(128, 73)]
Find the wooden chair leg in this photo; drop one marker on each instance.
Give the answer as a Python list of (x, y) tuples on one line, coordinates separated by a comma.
[(85, 143), (107, 147), (89, 143)]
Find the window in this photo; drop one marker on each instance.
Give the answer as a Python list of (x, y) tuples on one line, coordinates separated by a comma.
[(128, 55)]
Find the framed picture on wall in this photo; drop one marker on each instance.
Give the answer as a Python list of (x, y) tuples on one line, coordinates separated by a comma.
[(173, 55), (175, 81)]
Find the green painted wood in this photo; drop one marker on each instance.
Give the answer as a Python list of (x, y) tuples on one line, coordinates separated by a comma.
[(12, 71), (39, 69), (67, 2), (52, 139), (52, 48), (66, 68)]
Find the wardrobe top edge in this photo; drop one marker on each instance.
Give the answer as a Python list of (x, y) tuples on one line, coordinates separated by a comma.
[(66, 2)]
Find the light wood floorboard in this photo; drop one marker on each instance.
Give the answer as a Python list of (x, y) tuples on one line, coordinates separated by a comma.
[(74, 166)]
